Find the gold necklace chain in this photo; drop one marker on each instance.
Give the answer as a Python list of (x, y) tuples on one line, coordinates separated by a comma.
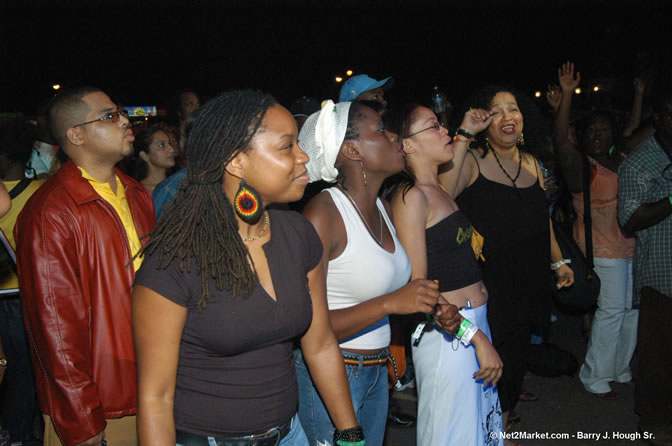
[(261, 233), (361, 215)]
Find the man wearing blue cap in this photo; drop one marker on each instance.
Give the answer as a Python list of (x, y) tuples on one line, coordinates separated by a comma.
[(365, 88)]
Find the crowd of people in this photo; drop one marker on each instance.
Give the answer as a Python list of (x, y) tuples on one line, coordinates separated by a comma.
[(182, 282)]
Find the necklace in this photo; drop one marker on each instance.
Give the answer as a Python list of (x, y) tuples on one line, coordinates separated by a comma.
[(261, 233), (520, 165), (361, 215)]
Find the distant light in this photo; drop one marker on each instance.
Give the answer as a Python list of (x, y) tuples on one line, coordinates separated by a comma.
[(146, 118), (596, 88), (56, 86), (577, 90), (537, 94), (339, 79), (349, 72)]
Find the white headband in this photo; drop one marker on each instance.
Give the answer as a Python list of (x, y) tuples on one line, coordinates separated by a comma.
[(321, 137)]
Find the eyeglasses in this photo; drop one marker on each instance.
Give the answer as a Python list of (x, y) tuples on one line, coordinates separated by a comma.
[(436, 126), (111, 116)]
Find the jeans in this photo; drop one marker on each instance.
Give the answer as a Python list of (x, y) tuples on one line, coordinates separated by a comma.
[(613, 335), (370, 399), (295, 437), (17, 394)]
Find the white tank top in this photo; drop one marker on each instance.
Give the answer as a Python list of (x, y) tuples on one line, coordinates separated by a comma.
[(364, 270)]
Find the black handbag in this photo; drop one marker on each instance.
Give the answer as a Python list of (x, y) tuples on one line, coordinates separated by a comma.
[(586, 289)]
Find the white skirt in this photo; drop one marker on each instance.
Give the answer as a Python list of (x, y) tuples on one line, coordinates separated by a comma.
[(453, 408)]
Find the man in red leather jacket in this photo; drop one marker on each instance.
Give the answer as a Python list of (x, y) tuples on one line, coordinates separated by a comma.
[(75, 240)]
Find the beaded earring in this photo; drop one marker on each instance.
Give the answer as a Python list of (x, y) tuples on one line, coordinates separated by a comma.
[(521, 139), (247, 203), (363, 173)]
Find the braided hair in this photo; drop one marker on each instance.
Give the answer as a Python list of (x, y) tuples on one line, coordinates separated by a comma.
[(199, 225)]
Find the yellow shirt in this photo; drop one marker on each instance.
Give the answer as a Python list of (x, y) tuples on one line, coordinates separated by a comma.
[(120, 205), (7, 223)]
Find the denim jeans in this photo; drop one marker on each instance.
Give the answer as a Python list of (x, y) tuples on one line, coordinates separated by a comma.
[(370, 398), (17, 394), (295, 437)]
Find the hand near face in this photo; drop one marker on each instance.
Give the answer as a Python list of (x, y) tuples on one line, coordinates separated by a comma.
[(476, 120)]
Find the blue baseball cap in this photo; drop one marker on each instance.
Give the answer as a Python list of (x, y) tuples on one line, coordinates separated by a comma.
[(357, 85)]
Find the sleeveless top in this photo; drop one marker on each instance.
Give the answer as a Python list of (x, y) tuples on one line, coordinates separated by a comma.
[(364, 270), (450, 258), (608, 239), (516, 272)]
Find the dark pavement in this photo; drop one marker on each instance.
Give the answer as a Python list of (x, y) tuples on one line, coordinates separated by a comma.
[(564, 407)]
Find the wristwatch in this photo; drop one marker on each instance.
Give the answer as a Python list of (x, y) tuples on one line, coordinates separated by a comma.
[(3, 362)]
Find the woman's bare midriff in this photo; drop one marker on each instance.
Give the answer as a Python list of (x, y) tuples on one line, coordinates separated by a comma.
[(364, 352), (476, 294)]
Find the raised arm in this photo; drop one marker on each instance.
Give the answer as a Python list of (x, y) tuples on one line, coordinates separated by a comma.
[(636, 111), (474, 122), (418, 296), (567, 155), (157, 330)]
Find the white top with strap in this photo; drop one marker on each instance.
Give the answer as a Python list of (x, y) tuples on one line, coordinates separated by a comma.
[(364, 270)]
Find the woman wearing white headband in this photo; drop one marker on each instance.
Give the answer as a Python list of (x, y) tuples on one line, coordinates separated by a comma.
[(366, 265)]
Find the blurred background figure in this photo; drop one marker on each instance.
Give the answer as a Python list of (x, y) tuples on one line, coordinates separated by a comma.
[(365, 88), (154, 157)]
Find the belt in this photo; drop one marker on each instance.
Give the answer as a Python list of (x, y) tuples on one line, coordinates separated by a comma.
[(367, 361), (271, 437)]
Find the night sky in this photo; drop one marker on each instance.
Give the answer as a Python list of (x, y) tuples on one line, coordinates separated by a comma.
[(141, 51)]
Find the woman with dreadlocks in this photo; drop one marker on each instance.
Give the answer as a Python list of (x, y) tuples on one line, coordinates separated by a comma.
[(227, 286)]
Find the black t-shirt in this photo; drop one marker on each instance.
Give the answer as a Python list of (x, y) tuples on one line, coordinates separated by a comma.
[(235, 374)]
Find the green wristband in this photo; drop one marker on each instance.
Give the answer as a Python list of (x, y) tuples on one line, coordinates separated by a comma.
[(463, 327), (670, 199)]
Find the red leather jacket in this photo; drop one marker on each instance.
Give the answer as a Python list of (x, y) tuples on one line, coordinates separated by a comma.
[(76, 279)]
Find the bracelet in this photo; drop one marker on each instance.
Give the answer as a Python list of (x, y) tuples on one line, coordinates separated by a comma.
[(559, 263), (457, 138), (353, 436), (468, 334), (463, 328), (465, 133), (670, 199)]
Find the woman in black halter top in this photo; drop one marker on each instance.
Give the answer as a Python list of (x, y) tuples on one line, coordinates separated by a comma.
[(456, 404), (500, 189)]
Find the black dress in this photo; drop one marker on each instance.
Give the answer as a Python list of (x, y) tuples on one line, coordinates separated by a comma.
[(515, 224)]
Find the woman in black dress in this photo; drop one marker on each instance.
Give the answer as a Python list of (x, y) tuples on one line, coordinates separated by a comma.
[(499, 186)]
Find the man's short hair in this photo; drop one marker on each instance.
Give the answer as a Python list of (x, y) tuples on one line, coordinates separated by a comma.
[(66, 110)]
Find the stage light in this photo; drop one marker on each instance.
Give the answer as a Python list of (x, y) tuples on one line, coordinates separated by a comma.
[(577, 90), (537, 94), (339, 79), (56, 86), (596, 88), (349, 72)]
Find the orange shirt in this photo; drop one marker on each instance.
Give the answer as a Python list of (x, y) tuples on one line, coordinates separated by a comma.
[(608, 238)]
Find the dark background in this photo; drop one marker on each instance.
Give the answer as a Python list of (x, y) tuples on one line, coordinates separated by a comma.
[(141, 51)]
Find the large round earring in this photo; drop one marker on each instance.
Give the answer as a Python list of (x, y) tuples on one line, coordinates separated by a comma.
[(521, 139), (247, 203)]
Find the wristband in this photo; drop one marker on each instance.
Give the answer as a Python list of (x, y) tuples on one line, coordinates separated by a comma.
[(468, 335), (465, 133), (353, 436), (670, 199), (559, 263), (463, 328), (457, 138)]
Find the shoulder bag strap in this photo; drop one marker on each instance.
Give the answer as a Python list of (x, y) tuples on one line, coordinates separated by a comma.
[(587, 219), (20, 187)]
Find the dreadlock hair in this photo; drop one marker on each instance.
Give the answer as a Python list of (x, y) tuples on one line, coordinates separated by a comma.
[(399, 121), (199, 225), (535, 127)]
